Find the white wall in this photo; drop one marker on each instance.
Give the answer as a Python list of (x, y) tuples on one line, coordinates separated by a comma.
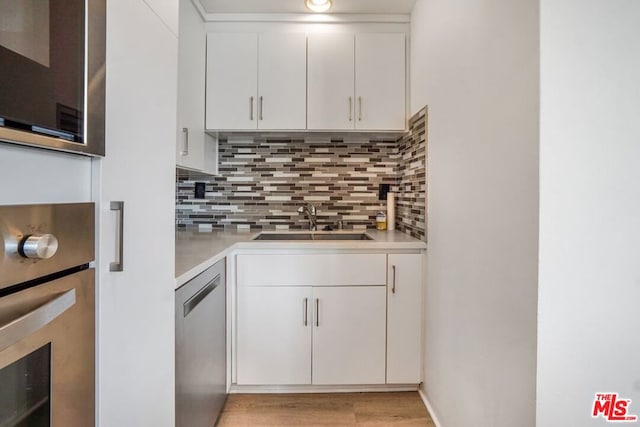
[(589, 292), (475, 64), (31, 175), (167, 11)]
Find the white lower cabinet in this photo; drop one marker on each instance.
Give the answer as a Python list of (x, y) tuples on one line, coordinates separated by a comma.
[(349, 335), (274, 335), (278, 326), (328, 319), (404, 317)]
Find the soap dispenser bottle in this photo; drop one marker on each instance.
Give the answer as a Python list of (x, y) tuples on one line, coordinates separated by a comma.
[(381, 221), (381, 217)]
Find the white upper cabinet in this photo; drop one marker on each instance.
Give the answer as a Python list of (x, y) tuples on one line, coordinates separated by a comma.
[(232, 81), (256, 81), (356, 82), (191, 72), (330, 81), (380, 81), (321, 82), (282, 82)]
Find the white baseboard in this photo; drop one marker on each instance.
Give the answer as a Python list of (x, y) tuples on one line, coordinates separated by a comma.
[(320, 389), (432, 412)]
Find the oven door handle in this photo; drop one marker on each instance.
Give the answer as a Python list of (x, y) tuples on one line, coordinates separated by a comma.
[(22, 327)]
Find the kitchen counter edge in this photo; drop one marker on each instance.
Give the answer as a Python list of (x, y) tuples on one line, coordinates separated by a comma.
[(196, 251)]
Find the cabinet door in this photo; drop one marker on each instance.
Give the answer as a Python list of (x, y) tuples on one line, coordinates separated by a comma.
[(191, 78), (349, 335), (274, 335), (380, 82), (136, 324), (404, 318), (232, 82), (330, 103), (282, 81)]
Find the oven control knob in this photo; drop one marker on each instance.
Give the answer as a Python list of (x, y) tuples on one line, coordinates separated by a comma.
[(39, 246)]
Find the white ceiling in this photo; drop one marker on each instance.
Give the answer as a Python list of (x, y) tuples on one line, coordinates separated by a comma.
[(297, 6)]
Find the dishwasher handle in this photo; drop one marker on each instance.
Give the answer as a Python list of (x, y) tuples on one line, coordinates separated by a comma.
[(197, 298)]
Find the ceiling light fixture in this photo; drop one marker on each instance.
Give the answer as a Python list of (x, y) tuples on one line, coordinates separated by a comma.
[(318, 5)]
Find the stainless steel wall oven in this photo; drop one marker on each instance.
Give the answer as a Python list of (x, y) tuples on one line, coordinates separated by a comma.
[(47, 315), (52, 74)]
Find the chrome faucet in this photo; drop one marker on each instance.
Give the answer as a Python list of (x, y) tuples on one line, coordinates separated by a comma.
[(310, 210)]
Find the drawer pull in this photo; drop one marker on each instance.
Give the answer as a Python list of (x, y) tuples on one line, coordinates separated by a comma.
[(185, 152), (305, 312), (393, 285), (118, 265)]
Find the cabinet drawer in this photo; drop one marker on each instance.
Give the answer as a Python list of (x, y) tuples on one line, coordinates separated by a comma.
[(312, 269)]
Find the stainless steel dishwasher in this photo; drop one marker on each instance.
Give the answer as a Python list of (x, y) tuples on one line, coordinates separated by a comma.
[(200, 348)]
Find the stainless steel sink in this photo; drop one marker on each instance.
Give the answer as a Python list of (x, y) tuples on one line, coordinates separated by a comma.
[(341, 236), (284, 236), (312, 236)]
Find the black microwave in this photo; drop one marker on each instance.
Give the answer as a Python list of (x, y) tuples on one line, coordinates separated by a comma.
[(52, 74)]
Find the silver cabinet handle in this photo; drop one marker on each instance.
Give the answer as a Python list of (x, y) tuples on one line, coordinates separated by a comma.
[(305, 311), (196, 299), (317, 312), (185, 152), (251, 108), (393, 283), (260, 109), (359, 108), (14, 331), (118, 265), (350, 109)]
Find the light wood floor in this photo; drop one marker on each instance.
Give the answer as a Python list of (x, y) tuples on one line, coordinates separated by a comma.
[(335, 409)]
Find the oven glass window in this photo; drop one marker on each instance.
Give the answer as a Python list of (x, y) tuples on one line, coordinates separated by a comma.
[(42, 72), (25, 395)]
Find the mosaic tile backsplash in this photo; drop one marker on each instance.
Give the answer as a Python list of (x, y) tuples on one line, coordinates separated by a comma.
[(411, 174), (263, 182)]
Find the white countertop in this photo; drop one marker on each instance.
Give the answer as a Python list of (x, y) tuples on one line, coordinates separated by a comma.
[(196, 251)]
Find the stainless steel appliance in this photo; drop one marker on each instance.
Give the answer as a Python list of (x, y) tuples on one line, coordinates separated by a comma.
[(47, 315), (200, 348), (53, 74)]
